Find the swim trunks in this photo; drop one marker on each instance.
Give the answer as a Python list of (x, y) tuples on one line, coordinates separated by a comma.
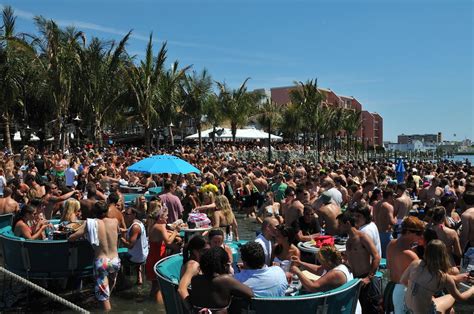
[(398, 298), (105, 268)]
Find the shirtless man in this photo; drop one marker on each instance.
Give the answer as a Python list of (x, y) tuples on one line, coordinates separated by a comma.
[(53, 198), (402, 204), (384, 218), (340, 186), (87, 204), (7, 203), (106, 262), (295, 209), (432, 192), (365, 192), (449, 236), (327, 212), (363, 258), (115, 210), (36, 190), (467, 220), (260, 182), (400, 256)]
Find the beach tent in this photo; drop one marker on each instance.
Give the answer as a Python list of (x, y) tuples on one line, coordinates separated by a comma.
[(242, 134), (17, 137)]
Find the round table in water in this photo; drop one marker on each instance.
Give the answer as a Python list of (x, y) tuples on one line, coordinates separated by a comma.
[(310, 248), (188, 233)]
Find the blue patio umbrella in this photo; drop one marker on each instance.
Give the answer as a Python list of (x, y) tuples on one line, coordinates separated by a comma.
[(400, 169), (163, 164)]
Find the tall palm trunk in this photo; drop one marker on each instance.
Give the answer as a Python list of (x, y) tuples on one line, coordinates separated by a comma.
[(147, 137), (269, 140), (7, 134), (199, 127), (171, 135)]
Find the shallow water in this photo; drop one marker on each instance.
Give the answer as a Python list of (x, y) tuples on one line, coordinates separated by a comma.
[(126, 298), (135, 299)]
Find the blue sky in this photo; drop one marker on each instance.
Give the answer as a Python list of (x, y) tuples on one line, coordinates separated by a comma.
[(410, 61)]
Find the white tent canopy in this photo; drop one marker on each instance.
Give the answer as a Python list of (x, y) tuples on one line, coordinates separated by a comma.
[(17, 137), (242, 134)]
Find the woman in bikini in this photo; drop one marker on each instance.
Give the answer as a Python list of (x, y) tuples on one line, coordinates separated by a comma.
[(213, 290), (426, 277), (224, 218)]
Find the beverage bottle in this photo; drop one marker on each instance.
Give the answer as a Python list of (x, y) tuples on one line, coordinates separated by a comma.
[(230, 236)]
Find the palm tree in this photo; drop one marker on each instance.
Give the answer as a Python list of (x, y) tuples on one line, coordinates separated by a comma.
[(350, 124), (143, 80), (308, 99), (60, 56), (237, 104), (12, 46), (101, 86), (270, 117), (335, 124), (197, 90), (168, 101), (292, 121), (214, 113)]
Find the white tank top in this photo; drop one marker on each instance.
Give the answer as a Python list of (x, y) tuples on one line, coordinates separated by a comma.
[(343, 268), (139, 252)]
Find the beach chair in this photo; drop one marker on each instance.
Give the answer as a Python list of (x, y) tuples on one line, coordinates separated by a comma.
[(168, 274), (6, 220), (309, 303), (339, 300), (342, 300)]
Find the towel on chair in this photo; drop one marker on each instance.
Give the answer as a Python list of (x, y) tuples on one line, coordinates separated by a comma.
[(92, 231)]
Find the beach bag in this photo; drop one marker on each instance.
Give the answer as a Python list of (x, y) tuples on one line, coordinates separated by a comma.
[(198, 220), (323, 240)]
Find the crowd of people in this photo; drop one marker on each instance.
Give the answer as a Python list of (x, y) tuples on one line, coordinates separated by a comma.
[(422, 226)]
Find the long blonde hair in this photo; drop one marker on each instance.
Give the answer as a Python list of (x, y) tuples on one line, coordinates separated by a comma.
[(70, 207), (223, 204), (436, 258)]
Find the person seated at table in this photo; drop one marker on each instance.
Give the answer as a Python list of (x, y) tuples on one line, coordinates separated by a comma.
[(426, 277), (72, 211), (284, 248), (332, 271), (307, 226), (224, 218), (213, 290), (158, 238), (191, 255), (263, 280), (20, 224), (216, 239)]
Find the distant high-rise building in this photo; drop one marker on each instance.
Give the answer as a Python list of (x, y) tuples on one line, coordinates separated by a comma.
[(425, 138), (371, 131)]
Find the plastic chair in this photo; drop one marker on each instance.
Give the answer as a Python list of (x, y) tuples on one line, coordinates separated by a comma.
[(168, 274), (6, 220)]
